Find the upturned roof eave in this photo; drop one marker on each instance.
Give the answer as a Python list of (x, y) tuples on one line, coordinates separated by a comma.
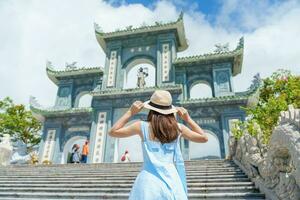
[(54, 75)]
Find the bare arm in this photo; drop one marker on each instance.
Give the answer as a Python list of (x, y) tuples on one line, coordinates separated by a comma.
[(118, 129), (194, 133)]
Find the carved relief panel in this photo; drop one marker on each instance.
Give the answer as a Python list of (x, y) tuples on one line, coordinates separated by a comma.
[(99, 139), (49, 145), (111, 77), (166, 55)]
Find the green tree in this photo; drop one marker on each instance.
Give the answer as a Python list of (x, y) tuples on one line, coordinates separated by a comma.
[(19, 123), (276, 93)]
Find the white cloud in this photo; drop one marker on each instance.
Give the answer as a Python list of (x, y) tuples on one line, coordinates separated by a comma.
[(62, 31)]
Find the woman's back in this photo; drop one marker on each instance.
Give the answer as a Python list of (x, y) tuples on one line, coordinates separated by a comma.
[(160, 170)]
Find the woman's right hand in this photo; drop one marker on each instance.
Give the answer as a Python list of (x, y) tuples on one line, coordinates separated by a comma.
[(136, 107), (183, 113)]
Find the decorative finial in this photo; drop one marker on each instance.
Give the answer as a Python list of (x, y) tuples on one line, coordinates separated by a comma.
[(256, 82), (241, 43), (33, 102), (180, 16), (221, 48), (48, 64)]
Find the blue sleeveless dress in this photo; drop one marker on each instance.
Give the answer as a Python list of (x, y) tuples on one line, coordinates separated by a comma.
[(163, 173)]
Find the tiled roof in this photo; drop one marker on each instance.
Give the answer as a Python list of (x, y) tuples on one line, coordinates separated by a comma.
[(157, 27), (55, 75), (236, 55)]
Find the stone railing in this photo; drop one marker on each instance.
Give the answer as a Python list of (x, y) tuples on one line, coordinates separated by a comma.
[(275, 168)]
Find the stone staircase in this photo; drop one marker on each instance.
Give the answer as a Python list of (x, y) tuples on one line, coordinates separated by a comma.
[(207, 179)]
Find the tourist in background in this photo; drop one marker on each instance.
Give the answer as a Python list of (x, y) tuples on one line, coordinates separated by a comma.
[(85, 152), (163, 174), (75, 153), (125, 157)]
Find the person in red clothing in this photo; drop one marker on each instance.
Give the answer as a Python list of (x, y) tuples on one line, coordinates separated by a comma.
[(125, 157), (85, 152)]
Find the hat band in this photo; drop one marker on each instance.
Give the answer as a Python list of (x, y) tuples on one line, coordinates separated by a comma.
[(159, 106)]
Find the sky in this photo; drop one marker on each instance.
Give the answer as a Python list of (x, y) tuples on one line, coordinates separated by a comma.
[(34, 31)]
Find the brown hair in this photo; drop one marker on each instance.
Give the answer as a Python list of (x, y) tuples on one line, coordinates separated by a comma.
[(164, 127)]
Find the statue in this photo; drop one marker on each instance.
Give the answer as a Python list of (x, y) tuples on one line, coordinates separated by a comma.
[(142, 74), (6, 150)]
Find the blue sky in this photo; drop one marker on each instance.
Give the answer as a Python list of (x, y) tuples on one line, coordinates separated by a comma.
[(212, 9), (209, 7)]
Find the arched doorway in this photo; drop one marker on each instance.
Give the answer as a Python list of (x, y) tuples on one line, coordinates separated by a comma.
[(131, 71), (69, 144), (83, 99), (133, 145), (200, 90), (208, 150)]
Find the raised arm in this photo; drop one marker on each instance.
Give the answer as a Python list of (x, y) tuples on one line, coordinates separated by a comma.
[(118, 129), (194, 133)]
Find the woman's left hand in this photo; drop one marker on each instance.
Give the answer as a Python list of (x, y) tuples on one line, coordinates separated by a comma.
[(136, 107)]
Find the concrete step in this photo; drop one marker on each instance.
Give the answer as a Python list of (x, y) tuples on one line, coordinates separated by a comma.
[(118, 177), (88, 181), (87, 168), (132, 174), (99, 195), (231, 189), (206, 179), (219, 172), (120, 184)]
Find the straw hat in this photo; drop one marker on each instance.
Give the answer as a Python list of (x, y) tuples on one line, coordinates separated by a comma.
[(161, 101)]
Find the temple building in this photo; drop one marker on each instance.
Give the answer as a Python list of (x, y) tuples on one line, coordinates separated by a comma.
[(138, 62)]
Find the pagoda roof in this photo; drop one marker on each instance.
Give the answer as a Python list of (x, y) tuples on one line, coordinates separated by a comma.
[(42, 112), (236, 56), (177, 25), (56, 75)]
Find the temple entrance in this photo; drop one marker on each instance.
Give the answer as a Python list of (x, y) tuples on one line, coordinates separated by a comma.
[(208, 150), (80, 140)]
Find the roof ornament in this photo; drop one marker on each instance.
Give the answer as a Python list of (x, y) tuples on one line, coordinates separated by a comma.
[(180, 16), (33, 102), (256, 82), (158, 23), (98, 28), (241, 43), (71, 66), (49, 64), (221, 48), (128, 28)]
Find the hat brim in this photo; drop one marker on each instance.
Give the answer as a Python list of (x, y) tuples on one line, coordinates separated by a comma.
[(162, 111)]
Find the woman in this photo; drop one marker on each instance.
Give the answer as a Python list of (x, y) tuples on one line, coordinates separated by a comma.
[(163, 173), (75, 154)]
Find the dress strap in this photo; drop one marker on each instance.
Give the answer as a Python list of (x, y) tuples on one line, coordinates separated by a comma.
[(144, 127)]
